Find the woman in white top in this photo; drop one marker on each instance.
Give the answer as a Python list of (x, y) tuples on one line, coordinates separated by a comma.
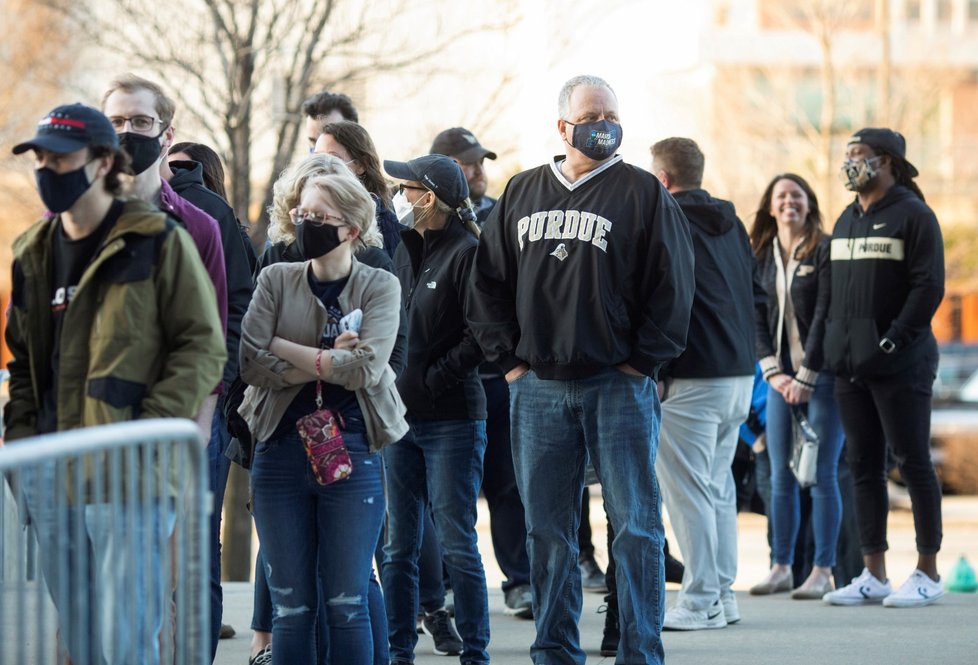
[(793, 262)]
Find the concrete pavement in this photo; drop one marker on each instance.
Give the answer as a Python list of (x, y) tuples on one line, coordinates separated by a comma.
[(774, 630)]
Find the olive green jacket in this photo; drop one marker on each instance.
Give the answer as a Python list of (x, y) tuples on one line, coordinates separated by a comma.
[(141, 337)]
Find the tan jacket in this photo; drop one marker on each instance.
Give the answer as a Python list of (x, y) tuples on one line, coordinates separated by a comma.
[(284, 305)]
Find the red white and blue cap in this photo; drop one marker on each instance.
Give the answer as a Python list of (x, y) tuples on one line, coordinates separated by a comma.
[(69, 128)]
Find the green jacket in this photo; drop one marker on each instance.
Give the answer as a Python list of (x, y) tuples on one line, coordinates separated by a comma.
[(140, 339)]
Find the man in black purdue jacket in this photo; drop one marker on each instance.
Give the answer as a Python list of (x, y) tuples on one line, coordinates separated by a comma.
[(583, 282), (887, 281), (706, 395)]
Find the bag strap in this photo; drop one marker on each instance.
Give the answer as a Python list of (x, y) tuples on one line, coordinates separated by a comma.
[(319, 383)]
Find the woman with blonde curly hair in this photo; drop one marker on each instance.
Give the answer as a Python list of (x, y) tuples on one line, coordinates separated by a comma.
[(287, 191), (319, 529)]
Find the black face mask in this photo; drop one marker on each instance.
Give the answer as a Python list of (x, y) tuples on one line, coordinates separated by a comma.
[(597, 140), (142, 150), (314, 240), (59, 191)]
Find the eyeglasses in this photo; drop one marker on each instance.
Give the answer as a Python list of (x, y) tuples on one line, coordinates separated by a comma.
[(139, 123), (299, 216), (402, 187)]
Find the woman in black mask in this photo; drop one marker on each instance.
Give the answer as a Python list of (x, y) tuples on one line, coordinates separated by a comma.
[(284, 233), (318, 336)]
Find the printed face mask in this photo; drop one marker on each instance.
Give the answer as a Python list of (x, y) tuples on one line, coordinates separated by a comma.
[(315, 240), (597, 140), (858, 175), (142, 150), (59, 191)]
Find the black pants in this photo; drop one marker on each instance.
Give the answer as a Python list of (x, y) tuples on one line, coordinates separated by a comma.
[(894, 410)]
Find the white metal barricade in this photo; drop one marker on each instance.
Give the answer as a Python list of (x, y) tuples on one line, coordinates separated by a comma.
[(104, 546)]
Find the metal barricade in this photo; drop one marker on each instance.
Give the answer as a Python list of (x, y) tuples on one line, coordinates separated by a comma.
[(104, 546)]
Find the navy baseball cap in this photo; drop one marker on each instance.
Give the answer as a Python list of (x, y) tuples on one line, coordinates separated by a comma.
[(69, 128), (885, 140), (438, 173)]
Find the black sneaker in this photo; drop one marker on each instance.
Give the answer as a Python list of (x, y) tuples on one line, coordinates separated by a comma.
[(519, 602), (439, 625), (674, 567), (592, 577), (263, 657), (612, 634)]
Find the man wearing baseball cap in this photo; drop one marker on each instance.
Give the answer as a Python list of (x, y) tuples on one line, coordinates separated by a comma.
[(99, 263), (887, 281), (462, 146)]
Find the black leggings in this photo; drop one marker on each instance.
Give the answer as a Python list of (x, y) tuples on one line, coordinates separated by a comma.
[(894, 411)]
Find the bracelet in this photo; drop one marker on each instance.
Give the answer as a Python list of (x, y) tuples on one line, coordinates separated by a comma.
[(319, 360)]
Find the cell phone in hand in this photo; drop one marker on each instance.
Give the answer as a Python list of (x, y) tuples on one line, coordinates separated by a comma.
[(352, 321)]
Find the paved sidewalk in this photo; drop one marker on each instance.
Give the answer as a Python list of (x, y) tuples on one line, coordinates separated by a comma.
[(774, 630)]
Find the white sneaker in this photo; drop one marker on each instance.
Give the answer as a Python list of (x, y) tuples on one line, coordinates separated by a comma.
[(730, 610), (863, 590), (917, 591), (683, 618)]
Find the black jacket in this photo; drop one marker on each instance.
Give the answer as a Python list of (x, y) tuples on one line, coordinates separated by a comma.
[(374, 257), (440, 381), (887, 281), (239, 256), (574, 278), (720, 342), (810, 292)]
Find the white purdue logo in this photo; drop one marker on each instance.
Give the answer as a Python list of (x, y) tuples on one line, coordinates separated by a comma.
[(560, 253), (845, 249), (564, 225)]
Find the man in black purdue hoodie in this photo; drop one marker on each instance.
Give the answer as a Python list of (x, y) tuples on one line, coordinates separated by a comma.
[(887, 281), (706, 395), (582, 286)]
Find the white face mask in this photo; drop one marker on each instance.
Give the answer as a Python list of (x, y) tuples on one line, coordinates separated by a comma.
[(403, 209)]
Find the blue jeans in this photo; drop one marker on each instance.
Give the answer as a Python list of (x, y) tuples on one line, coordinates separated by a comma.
[(261, 614), (784, 511), (218, 466), (614, 419), (107, 569), (507, 523), (308, 530), (439, 461)]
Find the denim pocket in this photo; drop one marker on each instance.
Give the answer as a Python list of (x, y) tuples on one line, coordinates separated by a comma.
[(263, 447)]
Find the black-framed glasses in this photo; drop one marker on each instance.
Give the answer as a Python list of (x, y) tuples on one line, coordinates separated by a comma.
[(402, 187), (299, 216), (139, 123)]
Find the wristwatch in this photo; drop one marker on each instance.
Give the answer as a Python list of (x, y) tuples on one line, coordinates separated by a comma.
[(887, 345)]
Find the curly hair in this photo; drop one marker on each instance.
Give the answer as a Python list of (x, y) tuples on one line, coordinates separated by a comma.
[(288, 190)]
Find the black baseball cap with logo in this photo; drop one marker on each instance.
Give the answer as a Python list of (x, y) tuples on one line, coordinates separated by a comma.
[(436, 172), (885, 140), (461, 144), (69, 128)]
